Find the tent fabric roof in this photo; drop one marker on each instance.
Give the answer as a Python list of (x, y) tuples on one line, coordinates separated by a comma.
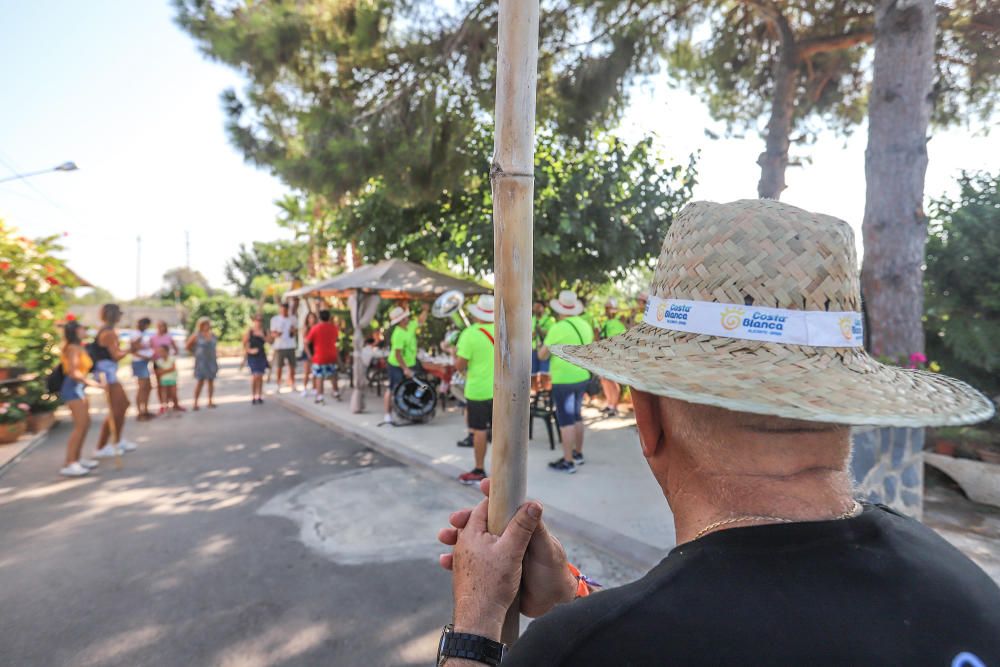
[(391, 279)]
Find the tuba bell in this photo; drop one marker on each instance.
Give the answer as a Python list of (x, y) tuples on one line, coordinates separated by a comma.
[(449, 304)]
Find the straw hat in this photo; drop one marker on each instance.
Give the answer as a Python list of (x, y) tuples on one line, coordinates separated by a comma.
[(755, 307), (611, 303), (398, 314), (483, 308), (567, 303)]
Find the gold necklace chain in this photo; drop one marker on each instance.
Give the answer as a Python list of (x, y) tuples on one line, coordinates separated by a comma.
[(855, 509)]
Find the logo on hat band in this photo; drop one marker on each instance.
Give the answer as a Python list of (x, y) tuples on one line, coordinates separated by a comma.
[(816, 328)]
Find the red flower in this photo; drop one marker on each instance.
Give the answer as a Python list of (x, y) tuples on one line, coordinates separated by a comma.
[(52, 281), (31, 303), (4, 266)]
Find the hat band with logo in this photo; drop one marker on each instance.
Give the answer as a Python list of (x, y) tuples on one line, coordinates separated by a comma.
[(816, 328)]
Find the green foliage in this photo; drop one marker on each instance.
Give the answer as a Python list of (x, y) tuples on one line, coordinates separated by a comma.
[(33, 283), (230, 315), (37, 397), (13, 411), (183, 283), (962, 282), (267, 259), (601, 208)]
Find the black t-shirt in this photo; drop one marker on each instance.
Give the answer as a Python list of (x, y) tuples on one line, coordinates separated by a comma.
[(878, 589)]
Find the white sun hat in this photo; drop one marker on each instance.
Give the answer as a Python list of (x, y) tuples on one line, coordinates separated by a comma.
[(398, 314), (482, 309), (567, 303), (755, 306)]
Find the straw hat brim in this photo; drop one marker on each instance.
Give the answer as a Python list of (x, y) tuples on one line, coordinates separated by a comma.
[(476, 312), (399, 318), (819, 384), (563, 310)]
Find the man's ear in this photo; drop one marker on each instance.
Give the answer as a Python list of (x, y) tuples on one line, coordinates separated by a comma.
[(647, 419)]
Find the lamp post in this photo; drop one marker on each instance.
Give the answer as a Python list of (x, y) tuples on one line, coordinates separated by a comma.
[(65, 166)]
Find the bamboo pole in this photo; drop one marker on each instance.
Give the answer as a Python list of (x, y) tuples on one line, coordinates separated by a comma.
[(512, 179)]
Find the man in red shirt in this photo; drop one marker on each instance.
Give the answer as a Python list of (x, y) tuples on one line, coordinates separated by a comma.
[(323, 337)]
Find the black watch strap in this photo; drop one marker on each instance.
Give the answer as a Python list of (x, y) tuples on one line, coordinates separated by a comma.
[(469, 647)]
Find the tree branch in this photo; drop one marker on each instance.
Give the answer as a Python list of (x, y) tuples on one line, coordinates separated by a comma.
[(812, 46)]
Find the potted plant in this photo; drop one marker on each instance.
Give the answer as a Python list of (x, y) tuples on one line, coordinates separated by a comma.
[(43, 407), (13, 421)]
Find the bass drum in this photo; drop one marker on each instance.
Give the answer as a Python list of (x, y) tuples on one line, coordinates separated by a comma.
[(457, 386), (415, 400)]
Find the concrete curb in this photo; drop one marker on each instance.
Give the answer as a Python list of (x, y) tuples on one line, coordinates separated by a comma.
[(26, 447), (628, 550)]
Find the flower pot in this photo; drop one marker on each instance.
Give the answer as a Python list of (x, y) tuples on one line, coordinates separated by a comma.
[(40, 422), (945, 447), (11, 432)]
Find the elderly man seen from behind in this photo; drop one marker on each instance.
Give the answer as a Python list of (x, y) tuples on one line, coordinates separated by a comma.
[(747, 372)]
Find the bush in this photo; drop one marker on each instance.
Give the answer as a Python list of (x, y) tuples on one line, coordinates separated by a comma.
[(230, 315), (962, 282), (32, 285)]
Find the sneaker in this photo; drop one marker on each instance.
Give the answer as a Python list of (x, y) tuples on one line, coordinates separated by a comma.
[(74, 469), (609, 412), (305, 393), (127, 446), (562, 465), (465, 442), (320, 400), (89, 464), (106, 452), (472, 477), (163, 410), (578, 458)]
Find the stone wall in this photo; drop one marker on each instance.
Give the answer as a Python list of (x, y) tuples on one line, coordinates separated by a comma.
[(888, 467)]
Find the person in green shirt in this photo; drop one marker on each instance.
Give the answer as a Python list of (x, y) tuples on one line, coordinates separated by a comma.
[(541, 322), (402, 351), (612, 327), (569, 381), (640, 307), (474, 357)]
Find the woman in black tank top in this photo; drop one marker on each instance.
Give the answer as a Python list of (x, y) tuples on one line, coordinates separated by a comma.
[(106, 354), (255, 347)]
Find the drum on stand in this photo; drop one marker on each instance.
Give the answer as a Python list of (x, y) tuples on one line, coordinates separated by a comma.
[(415, 400)]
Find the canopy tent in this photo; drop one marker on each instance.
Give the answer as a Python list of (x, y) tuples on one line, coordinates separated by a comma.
[(390, 279)]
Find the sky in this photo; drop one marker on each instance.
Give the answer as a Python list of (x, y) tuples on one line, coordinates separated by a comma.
[(116, 87)]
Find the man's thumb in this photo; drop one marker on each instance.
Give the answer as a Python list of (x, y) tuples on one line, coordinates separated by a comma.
[(522, 525)]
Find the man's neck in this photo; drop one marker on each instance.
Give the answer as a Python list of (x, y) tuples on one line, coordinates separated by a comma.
[(809, 495)]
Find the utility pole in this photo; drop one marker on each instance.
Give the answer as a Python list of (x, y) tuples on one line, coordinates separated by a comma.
[(138, 263), (187, 249)]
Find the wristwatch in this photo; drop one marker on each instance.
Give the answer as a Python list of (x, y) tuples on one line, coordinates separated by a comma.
[(469, 647)]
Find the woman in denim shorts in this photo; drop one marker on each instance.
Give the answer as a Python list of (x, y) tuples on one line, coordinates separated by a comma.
[(76, 363), (106, 353)]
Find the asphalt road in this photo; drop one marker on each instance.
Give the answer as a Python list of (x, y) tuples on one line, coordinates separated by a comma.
[(170, 560)]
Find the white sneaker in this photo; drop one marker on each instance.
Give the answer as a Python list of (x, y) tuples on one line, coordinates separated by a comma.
[(320, 400), (127, 446), (89, 463), (106, 452), (74, 469), (387, 419), (305, 393)]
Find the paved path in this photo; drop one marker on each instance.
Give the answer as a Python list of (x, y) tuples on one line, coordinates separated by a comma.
[(239, 536)]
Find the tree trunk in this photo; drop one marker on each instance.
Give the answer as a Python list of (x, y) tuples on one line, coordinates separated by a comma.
[(774, 160), (895, 227)]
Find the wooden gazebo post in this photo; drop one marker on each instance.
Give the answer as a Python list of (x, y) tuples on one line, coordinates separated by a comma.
[(512, 178)]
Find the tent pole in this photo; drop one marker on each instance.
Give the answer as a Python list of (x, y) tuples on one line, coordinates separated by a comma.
[(512, 178)]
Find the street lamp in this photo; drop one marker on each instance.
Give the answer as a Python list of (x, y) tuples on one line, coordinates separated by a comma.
[(65, 166)]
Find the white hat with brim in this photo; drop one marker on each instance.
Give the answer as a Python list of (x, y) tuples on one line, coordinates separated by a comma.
[(780, 257), (398, 314), (567, 303), (483, 308)]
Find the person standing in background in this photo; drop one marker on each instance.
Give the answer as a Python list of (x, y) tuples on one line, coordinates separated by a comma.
[(106, 352), (76, 364), (612, 327), (640, 308), (166, 374), (255, 347), (569, 382), (283, 339), (322, 338), (402, 351), (202, 344), (142, 354), (160, 339), (541, 322), (474, 357), (307, 352)]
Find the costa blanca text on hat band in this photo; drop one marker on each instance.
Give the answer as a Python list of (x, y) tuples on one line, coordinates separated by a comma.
[(816, 328)]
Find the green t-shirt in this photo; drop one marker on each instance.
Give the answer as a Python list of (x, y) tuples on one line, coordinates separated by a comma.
[(405, 340), (477, 348), (545, 323), (612, 328), (570, 331)]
